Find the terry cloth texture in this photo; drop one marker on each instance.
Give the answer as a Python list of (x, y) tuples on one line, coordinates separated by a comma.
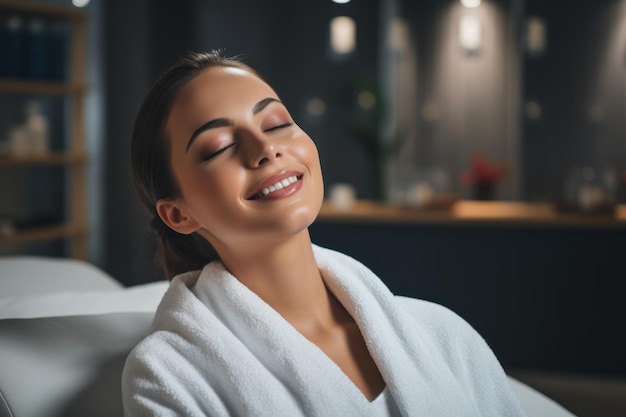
[(217, 349)]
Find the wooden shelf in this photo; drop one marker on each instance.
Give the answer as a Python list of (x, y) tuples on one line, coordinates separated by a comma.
[(40, 234), (52, 158), (471, 212), (8, 85)]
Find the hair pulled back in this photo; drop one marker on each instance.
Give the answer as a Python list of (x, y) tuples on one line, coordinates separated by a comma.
[(151, 170)]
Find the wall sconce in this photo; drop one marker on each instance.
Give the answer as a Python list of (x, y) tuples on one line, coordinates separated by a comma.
[(470, 34), (533, 110), (342, 35), (316, 107), (470, 4), (535, 35)]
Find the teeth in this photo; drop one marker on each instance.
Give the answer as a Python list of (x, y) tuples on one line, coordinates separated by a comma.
[(279, 185)]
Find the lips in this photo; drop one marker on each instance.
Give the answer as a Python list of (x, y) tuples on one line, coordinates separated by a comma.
[(277, 186)]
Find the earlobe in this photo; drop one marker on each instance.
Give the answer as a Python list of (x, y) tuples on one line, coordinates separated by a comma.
[(175, 218)]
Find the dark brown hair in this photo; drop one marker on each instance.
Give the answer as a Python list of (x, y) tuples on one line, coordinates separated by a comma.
[(150, 161)]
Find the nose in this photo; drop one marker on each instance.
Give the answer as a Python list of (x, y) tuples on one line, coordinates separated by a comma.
[(260, 149)]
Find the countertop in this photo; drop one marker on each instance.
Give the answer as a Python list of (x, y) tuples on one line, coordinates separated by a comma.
[(472, 212)]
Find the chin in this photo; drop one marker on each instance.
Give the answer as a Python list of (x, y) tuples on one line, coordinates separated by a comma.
[(302, 217)]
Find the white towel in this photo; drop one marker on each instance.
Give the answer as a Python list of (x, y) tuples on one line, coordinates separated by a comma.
[(219, 350)]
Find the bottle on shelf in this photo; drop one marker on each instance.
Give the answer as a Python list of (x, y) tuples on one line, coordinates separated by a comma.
[(31, 138), (35, 48), (37, 128), (56, 51), (14, 40)]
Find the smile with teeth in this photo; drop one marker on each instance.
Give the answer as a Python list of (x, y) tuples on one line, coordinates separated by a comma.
[(285, 182)]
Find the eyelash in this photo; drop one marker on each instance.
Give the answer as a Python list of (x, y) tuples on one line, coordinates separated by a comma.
[(217, 153), (279, 127)]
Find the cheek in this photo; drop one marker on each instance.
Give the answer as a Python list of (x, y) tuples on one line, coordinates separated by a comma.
[(308, 151), (210, 189), (196, 191)]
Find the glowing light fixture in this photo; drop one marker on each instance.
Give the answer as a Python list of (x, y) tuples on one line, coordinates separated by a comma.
[(470, 3), (341, 1), (80, 3), (366, 100), (536, 34), (316, 107), (342, 34), (533, 110), (470, 34)]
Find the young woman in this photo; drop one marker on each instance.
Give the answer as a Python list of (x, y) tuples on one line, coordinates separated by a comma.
[(258, 321)]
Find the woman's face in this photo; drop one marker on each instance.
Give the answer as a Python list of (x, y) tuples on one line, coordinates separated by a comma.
[(246, 172)]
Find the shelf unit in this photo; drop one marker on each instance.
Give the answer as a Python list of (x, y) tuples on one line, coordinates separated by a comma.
[(73, 158)]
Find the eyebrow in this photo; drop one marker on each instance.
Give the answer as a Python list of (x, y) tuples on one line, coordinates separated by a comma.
[(223, 121)]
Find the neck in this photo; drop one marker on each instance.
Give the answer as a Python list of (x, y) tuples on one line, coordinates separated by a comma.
[(286, 276)]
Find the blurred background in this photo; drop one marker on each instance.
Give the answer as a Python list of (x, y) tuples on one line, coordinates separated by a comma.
[(416, 104)]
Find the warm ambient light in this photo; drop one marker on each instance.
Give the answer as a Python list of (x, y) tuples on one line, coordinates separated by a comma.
[(470, 34), (342, 34), (470, 3), (536, 35), (366, 100), (80, 3), (316, 107)]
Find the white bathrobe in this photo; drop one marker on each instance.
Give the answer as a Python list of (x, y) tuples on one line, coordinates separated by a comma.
[(217, 349)]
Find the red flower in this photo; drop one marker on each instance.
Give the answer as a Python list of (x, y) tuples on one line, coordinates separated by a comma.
[(483, 171)]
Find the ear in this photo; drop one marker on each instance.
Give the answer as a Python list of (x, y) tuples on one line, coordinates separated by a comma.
[(173, 215)]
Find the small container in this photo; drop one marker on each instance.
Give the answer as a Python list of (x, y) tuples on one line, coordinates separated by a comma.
[(19, 143), (31, 138), (591, 190), (37, 129), (342, 196)]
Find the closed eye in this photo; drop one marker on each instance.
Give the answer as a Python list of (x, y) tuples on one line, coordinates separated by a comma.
[(217, 153), (279, 127)]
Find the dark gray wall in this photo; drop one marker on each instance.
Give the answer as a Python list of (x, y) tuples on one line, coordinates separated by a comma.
[(474, 96), (127, 42), (584, 67)]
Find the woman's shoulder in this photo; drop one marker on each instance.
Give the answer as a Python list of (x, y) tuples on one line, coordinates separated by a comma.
[(164, 337), (439, 321), (427, 310), (153, 348), (456, 340)]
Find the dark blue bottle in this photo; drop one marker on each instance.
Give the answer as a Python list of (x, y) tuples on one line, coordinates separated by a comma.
[(3, 47), (15, 46), (56, 51), (35, 49)]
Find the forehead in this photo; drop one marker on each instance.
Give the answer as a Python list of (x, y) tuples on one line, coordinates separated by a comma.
[(220, 87)]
